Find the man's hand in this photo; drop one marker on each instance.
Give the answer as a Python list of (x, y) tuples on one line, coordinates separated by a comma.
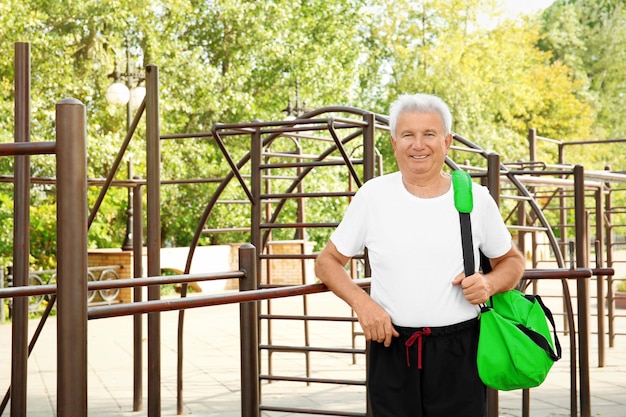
[(505, 275), (375, 321), (476, 288)]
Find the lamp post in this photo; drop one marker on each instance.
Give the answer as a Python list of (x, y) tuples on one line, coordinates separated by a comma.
[(298, 109), (129, 93)]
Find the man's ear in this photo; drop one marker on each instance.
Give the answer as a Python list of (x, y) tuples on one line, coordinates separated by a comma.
[(448, 141), (393, 142)]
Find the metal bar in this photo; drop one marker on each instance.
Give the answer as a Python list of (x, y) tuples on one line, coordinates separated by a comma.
[(153, 242), (296, 225), (310, 411), (324, 163), (310, 318), (348, 162), (234, 168), (21, 232), (209, 300), (600, 304), (130, 131), (256, 189), (249, 318), (27, 148), (71, 132), (608, 205), (296, 124), (2, 313), (493, 184), (249, 313), (369, 150), (593, 142), (289, 256), (582, 290), (309, 195), (564, 273), (532, 144), (286, 291), (277, 348), (137, 297), (315, 380)]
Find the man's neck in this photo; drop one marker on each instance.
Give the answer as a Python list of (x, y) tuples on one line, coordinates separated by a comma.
[(428, 187)]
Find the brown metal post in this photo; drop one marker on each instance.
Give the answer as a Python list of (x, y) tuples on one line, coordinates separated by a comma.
[(608, 206), (21, 233), (493, 176), (137, 297), (532, 144), (369, 165), (249, 317), (493, 183), (249, 311), (256, 188), (582, 289), (600, 279), (153, 242), (71, 133), (369, 150)]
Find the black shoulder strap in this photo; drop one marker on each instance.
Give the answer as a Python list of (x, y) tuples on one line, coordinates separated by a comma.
[(463, 201)]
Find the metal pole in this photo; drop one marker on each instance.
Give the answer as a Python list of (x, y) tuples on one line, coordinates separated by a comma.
[(249, 317), (582, 289), (256, 187), (128, 234), (532, 144), (2, 317), (599, 197), (369, 165), (608, 206), (493, 183), (128, 238), (137, 297), (153, 242), (21, 233), (72, 262), (369, 149)]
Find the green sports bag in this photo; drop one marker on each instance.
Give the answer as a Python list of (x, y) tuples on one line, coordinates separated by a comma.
[(515, 346)]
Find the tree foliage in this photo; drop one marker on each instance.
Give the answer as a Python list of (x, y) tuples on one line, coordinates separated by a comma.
[(235, 61)]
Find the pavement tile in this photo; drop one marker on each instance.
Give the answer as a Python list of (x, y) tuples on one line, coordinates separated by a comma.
[(211, 366)]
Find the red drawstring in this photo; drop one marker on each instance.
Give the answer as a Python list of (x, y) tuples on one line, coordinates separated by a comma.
[(416, 336)]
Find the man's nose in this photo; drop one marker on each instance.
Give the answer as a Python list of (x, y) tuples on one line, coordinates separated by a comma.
[(417, 142)]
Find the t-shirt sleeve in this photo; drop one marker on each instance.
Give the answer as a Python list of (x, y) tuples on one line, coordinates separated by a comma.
[(497, 239), (349, 237)]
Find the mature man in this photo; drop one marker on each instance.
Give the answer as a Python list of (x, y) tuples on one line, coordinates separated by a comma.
[(421, 316)]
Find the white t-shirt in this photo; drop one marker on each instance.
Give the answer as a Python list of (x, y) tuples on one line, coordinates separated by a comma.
[(414, 248)]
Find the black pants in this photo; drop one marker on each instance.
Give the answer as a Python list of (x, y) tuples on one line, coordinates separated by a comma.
[(427, 372)]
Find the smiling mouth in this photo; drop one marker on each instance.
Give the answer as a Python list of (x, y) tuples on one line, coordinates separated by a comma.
[(419, 156)]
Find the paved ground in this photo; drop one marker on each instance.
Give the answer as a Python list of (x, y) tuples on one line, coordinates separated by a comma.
[(211, 367)]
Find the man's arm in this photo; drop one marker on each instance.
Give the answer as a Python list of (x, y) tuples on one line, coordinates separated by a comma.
[(507, 270), (374, 320)]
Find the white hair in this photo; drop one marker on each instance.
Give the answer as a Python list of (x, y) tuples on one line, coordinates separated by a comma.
[(425, 103)]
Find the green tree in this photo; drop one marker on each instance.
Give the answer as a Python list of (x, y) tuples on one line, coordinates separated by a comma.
[(222, 61), (498, 83), (588, 36), (227, 61)]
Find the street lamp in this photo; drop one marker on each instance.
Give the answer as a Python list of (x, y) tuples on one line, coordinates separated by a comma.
[(129, 93), (298, 109)]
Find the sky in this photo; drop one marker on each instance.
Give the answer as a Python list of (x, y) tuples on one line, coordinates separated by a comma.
[(517, 7)]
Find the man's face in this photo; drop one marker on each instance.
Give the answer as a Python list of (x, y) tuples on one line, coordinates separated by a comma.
[(419, 144)]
